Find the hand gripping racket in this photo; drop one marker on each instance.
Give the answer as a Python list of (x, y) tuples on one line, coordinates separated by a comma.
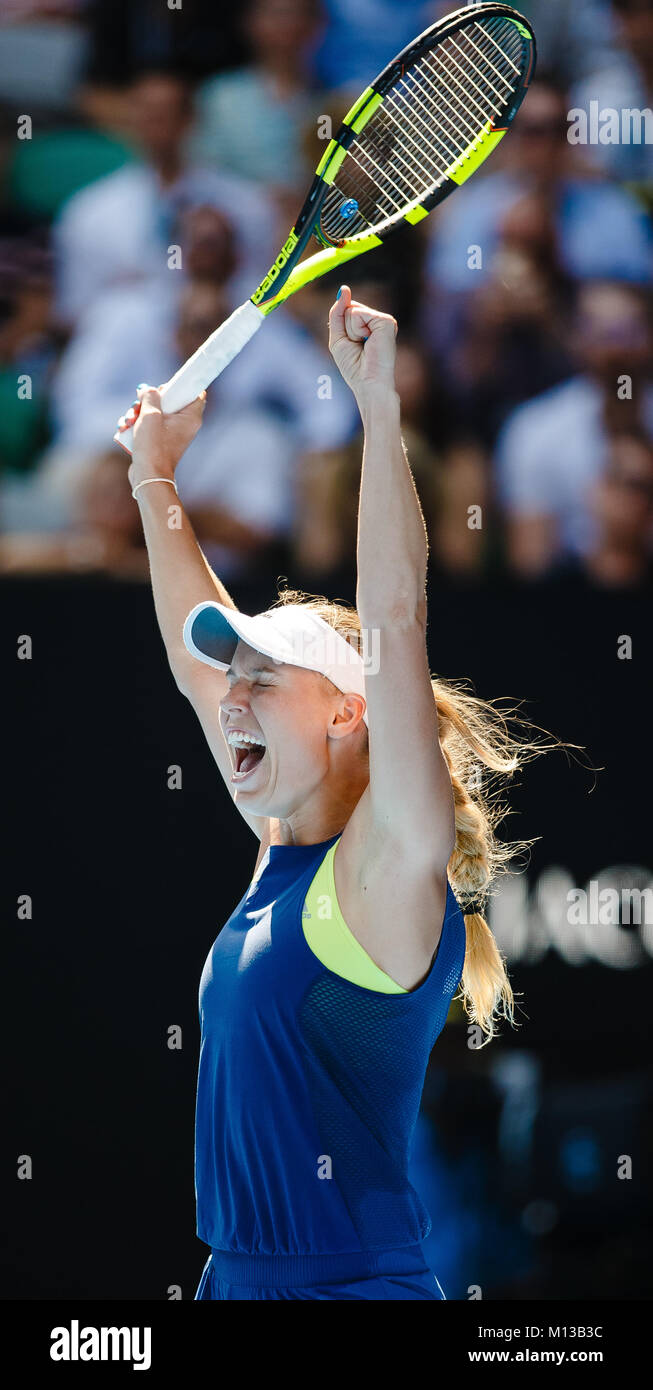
[(427, 123)]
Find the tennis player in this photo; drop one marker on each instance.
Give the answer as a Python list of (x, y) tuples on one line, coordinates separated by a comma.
[(327, 987)]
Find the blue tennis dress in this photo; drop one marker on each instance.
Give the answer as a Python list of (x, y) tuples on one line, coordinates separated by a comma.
[(308, 1092)]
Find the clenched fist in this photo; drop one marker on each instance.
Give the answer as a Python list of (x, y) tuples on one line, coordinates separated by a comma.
[(362, 344)]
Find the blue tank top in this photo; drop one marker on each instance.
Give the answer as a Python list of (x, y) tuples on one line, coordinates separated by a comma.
[(309, 1085)]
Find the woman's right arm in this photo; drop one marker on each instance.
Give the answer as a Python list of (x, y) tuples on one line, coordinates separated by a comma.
[(181, 576)]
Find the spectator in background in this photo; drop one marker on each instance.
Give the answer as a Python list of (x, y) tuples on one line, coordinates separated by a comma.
[(251, 121), (555, 447), (116, 232), (237, 478), (105, 536), (624, 82), (132, 336), (601, 232), (43, 46), (448, 478), (573, 39), (360, 39), (621, 504), (196, 37), (512, 337), (237, 486), (329, 483), (362, 36), (27, 353), (127, 335)]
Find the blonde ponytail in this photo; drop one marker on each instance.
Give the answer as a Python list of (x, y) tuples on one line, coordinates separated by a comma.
[(481, 753), (485, 991)]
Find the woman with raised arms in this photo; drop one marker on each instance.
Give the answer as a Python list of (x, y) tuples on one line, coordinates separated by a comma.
[(357, 771)]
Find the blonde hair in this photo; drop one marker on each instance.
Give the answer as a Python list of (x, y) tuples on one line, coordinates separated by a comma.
[(481, 753)]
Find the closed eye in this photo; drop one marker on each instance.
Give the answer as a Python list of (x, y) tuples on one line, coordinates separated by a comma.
[(254, 678), (257, 685)]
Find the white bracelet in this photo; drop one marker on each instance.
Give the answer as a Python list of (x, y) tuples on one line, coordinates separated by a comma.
[(155, 480)]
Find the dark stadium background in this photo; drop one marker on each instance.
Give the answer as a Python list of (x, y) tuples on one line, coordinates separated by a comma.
[(130, 881)]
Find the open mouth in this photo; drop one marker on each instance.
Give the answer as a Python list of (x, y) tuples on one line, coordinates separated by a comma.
[(247, 758), (247, 753)]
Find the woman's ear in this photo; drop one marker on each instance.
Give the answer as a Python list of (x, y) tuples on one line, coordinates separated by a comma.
[(348, 717)]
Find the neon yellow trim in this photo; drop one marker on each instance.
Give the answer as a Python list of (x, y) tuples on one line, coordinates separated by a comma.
[(522, 28), (355, 110), (319, 264), (416, 214), (366, 106), (330, 172), (332, 145), (468, 163), (367, 113), (331, 940)]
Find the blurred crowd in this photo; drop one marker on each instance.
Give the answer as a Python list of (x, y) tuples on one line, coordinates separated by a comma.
[(152, 160)]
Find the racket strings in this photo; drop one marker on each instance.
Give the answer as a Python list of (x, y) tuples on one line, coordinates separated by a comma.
[(500, 95), (419, 178), (469, 88), (426, 123), (504, 56), (458, 136), (476, 55), (420, 106), (411, 153), (415, 84)]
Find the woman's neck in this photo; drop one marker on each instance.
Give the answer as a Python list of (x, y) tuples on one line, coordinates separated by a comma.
[(325, 813)]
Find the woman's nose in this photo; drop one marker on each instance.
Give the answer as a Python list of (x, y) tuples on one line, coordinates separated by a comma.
[(235, 698)]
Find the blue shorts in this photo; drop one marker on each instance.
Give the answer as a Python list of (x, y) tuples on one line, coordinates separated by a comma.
[(379, 1274)]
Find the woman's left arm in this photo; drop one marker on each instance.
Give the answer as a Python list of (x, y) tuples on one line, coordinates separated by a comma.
[(411, 808)]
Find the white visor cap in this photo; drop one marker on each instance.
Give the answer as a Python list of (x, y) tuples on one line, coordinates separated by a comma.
[(290, 634)]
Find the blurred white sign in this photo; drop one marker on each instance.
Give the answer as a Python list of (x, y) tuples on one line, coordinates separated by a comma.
[(609, 919)]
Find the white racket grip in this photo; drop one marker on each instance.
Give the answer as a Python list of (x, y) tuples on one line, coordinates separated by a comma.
[(206, 364)]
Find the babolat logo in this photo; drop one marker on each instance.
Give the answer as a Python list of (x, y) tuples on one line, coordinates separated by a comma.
[(284, 254), (102, 1344)]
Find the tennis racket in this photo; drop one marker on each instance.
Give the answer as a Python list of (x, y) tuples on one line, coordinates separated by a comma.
[(422, 128)]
